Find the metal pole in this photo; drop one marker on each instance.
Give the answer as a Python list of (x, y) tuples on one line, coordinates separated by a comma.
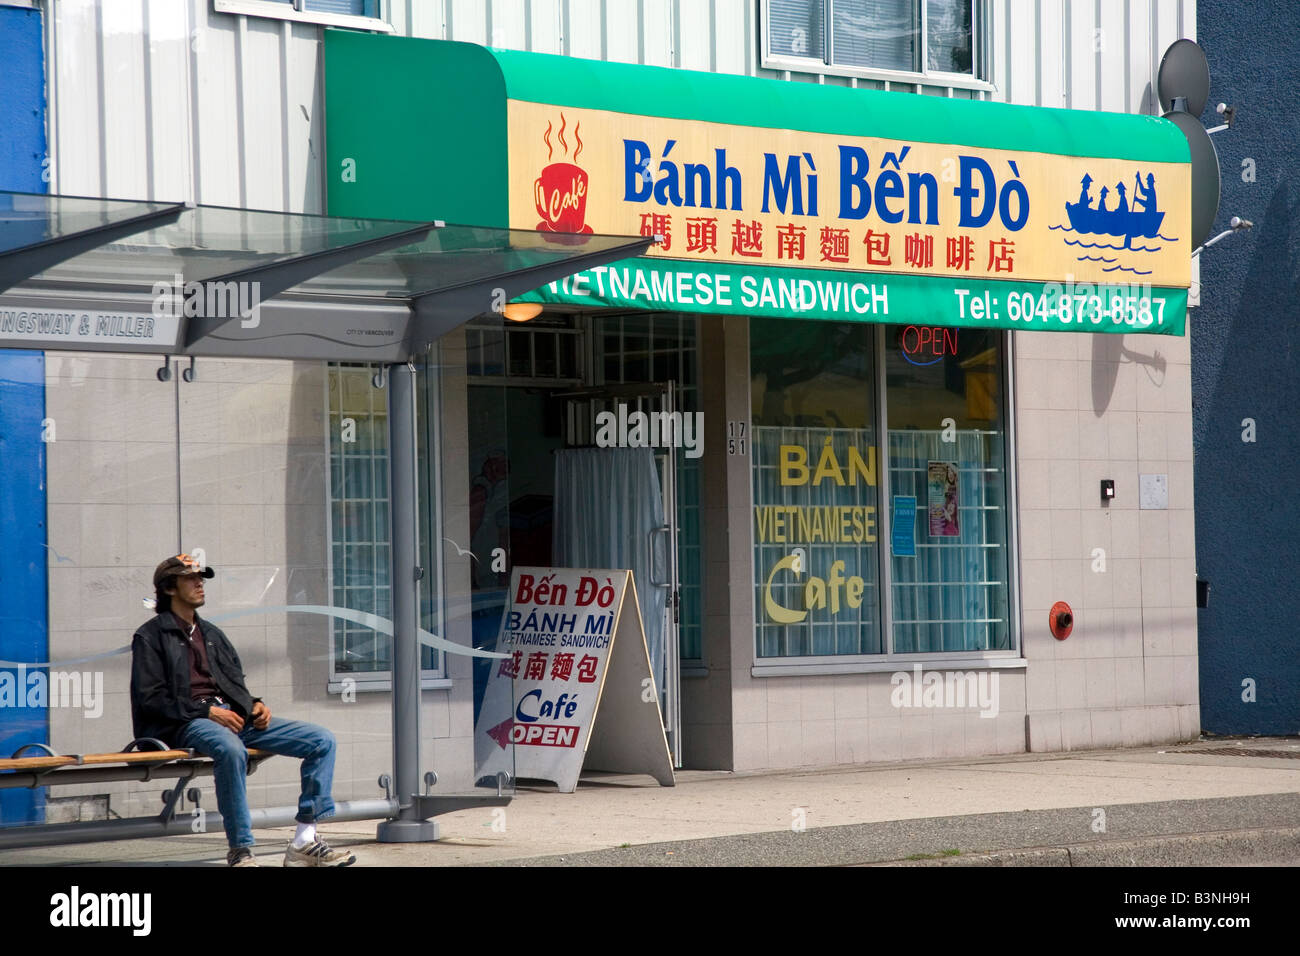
[(403, 512)]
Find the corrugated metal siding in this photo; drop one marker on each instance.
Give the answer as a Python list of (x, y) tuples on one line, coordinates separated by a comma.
[(165, 99), (1085, 54)]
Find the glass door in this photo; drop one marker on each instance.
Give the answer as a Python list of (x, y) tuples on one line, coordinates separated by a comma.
[(651, 408)]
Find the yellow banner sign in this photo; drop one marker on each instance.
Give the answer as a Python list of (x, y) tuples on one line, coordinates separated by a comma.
[(789, 198)]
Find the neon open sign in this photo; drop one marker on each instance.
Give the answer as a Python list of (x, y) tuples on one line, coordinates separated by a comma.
[(926, 345)]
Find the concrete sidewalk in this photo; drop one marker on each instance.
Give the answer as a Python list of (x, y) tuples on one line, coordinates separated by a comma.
[(1184, 804)]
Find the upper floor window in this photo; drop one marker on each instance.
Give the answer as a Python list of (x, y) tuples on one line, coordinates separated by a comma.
[(927, 38), (356, 14)]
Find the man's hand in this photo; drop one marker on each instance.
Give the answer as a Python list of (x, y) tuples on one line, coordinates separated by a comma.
[(261, 716), (226, 718)]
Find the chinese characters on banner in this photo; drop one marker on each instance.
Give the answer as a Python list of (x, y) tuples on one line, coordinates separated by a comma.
[(833, 245)]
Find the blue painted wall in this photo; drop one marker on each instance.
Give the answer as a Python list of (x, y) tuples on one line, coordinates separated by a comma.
[(24, 632), (22, 101), (1245, 342)]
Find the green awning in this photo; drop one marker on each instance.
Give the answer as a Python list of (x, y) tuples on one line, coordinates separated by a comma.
[(771, 197)]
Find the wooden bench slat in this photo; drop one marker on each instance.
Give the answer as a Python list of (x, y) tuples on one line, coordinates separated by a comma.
[(137, 757), (35, 763)]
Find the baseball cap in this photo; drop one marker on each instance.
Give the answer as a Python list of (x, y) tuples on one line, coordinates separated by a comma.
[(177, 565)]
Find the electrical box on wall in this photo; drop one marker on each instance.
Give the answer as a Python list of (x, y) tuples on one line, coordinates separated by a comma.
[(1153, 492)]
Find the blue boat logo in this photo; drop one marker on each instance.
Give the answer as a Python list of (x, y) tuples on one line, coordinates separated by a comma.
[(1136, 217), (1131, 223)]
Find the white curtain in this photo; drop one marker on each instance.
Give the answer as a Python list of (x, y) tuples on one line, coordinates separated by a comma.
[(607, 503)]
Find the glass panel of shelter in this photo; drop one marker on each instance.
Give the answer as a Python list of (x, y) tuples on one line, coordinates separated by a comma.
[(104, 448), (243, 465)]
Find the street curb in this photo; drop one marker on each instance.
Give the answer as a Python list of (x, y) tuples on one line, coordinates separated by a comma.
[(1211, 831), (1255, 846)]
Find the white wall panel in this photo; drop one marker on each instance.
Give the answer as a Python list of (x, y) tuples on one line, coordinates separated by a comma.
[(1049, 46), (167, 60), (468, 19), (623, 32), (126, 130), (734, 40), (695, 45), (261, 109), (1112, 58), (509, 24), (1166, 23), (304, 110), (1023, 57), (544, 26), (419, 18), (1188, 27), (1140, 74), (72, 38), (584, 28), (216, 118), (657, 32), (1079, 48)]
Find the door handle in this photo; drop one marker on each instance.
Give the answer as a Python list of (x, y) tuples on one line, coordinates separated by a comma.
[(650, 555)]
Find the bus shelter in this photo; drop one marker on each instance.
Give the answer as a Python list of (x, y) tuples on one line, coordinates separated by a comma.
[(169, 286)]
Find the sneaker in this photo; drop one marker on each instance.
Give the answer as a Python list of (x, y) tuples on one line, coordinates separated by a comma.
[(317, 853), (241, 856)]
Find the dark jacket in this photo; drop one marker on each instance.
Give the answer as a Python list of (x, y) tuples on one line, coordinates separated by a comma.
[(160, 677)]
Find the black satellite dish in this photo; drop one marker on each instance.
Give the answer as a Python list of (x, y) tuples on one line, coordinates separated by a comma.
[(1183, 85), (1205, 174), (1185, 72)]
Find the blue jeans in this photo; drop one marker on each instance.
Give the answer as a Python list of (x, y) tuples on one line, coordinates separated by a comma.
[(229, 753)]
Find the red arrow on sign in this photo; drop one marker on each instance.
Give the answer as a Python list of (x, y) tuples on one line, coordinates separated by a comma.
[(501, 732)]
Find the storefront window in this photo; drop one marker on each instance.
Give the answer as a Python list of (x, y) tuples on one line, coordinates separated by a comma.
[(814, 460), (359, 526), (816, 464), (947, 429)]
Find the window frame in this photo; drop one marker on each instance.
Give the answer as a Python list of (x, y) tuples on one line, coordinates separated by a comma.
[(976, 81), (364, 681), (294, 12), (892, 660)]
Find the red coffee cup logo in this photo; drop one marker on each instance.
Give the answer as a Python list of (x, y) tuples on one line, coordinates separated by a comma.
[(560, 192), (561, 197)]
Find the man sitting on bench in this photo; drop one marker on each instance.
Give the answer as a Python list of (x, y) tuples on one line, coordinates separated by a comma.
[(187, 689)]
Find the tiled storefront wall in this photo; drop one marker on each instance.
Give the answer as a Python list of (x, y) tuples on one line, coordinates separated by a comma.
[(1092, 407)]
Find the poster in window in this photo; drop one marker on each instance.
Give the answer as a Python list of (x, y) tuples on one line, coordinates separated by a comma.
[(942, 481), (902, 527)]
